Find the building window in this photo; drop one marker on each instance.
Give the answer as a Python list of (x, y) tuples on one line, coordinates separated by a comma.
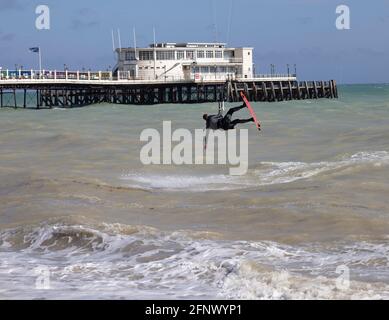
[(204, 69), (200, 54), (228, 54), (180, 55), (231, 69), (190, 55), (219, 54), (165, 55), (222, 69), (212, 69), (196, 70), (146, 55), (130, 55), (210, 54)]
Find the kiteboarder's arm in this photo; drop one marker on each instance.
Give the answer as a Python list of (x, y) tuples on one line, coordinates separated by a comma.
[(207, 124)]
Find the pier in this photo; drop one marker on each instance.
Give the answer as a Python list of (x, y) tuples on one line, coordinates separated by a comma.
[(76, 89)]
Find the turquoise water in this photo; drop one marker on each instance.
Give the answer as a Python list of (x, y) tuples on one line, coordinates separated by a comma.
[(75, 198)]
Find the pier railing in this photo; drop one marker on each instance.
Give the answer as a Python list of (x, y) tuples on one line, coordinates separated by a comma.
[(55, 75), (66, 75), (276, 75)]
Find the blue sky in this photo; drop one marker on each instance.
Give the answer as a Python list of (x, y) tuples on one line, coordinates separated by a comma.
[(281, 31)]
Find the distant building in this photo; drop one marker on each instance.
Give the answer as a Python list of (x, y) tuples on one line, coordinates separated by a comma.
[(185, 61)]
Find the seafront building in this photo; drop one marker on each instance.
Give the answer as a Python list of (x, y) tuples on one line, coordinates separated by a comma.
[(185, 61)]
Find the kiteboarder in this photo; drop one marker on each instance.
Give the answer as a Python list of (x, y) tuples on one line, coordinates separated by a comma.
[(218, 121)]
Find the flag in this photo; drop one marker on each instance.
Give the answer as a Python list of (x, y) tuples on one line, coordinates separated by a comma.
[(35, 49)]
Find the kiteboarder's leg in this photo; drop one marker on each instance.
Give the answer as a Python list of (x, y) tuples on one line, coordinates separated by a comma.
[(233, 110), (238, 121)]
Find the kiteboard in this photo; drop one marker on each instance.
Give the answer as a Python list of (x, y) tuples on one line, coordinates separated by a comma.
[(251, 110)]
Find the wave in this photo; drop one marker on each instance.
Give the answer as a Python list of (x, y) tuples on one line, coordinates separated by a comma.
[(122, 261), (185, 182), (287, 172), (19, 179), (264, 174)]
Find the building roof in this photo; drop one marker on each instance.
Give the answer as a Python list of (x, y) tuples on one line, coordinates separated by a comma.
[(189, 45)]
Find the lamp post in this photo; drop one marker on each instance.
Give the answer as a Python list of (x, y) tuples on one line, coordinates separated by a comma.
[(288, 69)]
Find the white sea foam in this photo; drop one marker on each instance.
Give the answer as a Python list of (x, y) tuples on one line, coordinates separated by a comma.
[(286, 172), (185, 182), (266, 173), (118, 261)]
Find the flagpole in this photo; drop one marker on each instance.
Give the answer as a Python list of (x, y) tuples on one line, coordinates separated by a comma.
[(134, 32), (40, 62), (120, 41), (113, 42), (155, 55)]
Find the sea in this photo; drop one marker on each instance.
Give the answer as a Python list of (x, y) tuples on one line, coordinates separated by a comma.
[(81, 217)]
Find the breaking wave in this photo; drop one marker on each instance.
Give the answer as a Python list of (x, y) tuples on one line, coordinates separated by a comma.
[(134, 262), (266, 173)]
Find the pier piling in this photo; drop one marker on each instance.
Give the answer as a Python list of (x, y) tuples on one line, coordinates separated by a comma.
[(78, 94)]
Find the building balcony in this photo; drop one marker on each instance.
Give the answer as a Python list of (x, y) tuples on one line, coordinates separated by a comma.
[(234, 60)]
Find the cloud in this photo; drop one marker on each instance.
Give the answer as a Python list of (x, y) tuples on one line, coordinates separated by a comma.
[(86, 11), (10, 5), (81, 22), (369, 52), (7, 37), (78, 24), (384, 19), (305, 20)]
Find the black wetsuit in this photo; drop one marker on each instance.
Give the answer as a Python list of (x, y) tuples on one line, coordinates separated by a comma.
[(216, 122)]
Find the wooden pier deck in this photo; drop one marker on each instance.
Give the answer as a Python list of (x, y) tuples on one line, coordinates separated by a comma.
[(67, 93)]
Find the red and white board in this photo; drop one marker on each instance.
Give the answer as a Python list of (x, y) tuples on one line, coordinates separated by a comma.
[(251, 110)]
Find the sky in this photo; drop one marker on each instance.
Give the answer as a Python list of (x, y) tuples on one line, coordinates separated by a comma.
[(301, 32)]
